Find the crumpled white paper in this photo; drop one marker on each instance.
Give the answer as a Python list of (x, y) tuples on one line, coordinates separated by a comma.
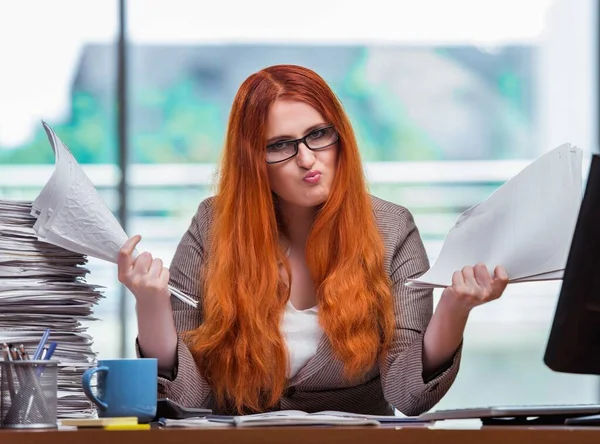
[(71, 214)]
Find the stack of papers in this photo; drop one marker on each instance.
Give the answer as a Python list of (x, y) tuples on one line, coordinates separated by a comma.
[(44, 247), (43, 286), (525, 226)]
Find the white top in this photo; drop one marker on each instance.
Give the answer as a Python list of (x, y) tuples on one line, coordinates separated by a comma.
[(302, 332)]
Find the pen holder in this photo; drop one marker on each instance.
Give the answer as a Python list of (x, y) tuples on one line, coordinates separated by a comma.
[(28, 394)]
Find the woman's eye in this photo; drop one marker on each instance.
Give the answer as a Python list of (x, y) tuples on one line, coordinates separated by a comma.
[(316, 134), (280, 146)]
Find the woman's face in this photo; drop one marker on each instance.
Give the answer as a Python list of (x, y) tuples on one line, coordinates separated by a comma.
[(304, 180)]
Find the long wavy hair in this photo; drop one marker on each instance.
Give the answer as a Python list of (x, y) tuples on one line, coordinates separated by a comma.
[(239, 347)]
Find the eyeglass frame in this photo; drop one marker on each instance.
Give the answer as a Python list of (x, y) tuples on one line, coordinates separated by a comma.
[(296, 143)]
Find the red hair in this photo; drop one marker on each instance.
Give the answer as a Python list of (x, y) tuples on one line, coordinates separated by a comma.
[(239, 347)]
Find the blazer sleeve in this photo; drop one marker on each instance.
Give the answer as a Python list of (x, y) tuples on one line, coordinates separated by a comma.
[(185, 385), (402, 368)]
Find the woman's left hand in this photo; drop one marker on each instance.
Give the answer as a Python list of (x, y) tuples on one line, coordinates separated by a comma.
[(473, 286)]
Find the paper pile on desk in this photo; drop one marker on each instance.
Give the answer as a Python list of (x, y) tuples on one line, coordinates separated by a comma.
[(43, 286), (525, 226), (71, 214)]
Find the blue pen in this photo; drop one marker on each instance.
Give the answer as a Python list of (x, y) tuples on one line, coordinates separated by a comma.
[(40, 347), (49, 351), (46, 355)]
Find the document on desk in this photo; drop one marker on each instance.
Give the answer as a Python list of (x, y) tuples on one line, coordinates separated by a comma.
[(292, 417), (526, 225), (71, 214)]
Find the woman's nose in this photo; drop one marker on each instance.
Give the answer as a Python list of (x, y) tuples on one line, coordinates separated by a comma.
[(305, 157)]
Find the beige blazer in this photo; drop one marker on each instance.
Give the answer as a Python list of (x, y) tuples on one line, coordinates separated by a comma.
[(320, 384)]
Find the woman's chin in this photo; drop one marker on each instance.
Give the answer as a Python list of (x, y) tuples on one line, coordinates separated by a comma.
[(307, 201), (314, 199)]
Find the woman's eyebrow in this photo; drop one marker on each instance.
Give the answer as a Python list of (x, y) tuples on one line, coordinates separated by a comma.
[(308, 130)]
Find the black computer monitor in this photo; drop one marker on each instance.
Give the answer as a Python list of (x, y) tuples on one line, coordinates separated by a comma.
[(574, 342)]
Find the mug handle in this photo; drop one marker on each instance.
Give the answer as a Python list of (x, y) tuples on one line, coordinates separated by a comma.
[(87, 389)]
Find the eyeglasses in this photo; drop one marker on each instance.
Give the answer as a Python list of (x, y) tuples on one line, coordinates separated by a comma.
[(315, 140)]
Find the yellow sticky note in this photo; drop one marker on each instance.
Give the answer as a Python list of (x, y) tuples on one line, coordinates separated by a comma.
[(127, 427), (99, 422)]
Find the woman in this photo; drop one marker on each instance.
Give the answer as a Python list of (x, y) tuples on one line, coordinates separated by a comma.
[(300, 275)]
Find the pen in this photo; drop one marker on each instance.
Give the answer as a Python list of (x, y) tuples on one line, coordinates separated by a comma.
[(46, 355), (24, 354), (9, 373), (183, 297), (49, 351), (32, 384), (40, 347), (32, 375), (27, 370), (14, 354)]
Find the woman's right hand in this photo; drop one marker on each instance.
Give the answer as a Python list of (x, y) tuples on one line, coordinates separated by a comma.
[(144, 276)]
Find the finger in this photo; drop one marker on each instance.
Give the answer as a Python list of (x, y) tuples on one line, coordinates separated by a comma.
[(155, 267), (483, 278), (128, 247), (457, 280), (164, 270), (469, 278), (501, 273), (142, 263), (500, 281), (124, 259), (164, 276)]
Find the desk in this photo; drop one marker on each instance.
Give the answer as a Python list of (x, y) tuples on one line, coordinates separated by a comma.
[(305, 435)]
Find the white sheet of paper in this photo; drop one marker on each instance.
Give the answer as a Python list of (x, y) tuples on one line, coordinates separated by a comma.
[(526, 225), (71, 214), (550, 276)]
